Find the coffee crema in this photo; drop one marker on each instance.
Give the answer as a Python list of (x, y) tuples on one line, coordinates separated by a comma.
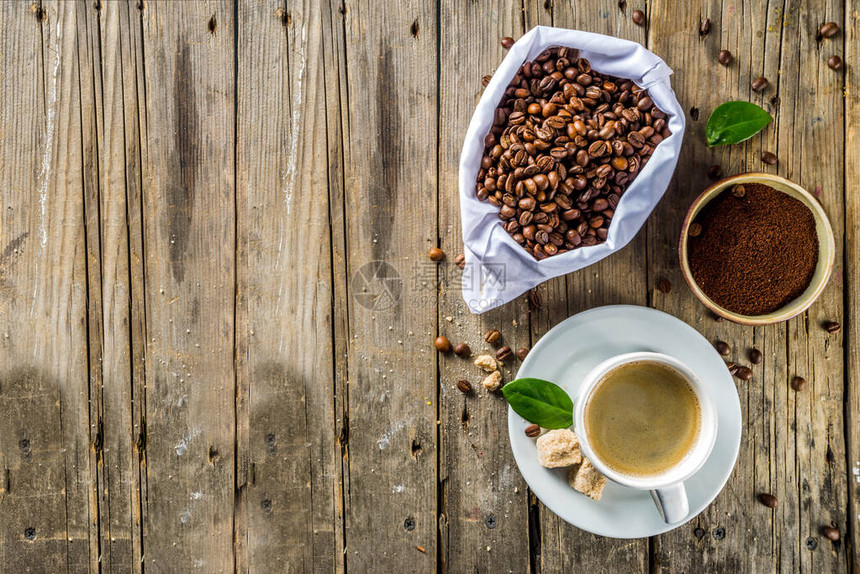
[(642, 418)]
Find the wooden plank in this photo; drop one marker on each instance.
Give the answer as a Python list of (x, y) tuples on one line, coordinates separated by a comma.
[(816, 421), (786, 436), (735, 532), (189, 246), (92, 118), (285, 243), (113, 27), (620, 279), (851, 271), (46, 509), (483, 512), (390, 152)]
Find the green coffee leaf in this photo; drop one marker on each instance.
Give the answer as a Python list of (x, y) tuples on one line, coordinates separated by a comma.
[(540, 402), (734, 122)]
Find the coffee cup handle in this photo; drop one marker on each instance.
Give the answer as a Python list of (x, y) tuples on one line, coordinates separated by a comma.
[(672, 503)]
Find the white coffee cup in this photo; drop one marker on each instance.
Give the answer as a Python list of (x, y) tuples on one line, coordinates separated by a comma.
[(667, 488)]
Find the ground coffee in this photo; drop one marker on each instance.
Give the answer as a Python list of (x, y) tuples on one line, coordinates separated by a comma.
[(757, 249)]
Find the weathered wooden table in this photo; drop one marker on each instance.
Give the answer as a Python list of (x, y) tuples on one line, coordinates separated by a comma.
[(194, 373)]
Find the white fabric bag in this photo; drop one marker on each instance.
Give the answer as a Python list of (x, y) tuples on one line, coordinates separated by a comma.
[(498, 269)]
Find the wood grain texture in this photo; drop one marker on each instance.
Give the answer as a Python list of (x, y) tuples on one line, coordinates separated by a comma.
[(47, 509), (291, 504), (851, 312), (483, 512), (390, 202), (116, 27), (189, 247)]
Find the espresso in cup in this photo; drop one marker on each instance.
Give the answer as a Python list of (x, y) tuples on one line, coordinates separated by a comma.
[(642, 418)]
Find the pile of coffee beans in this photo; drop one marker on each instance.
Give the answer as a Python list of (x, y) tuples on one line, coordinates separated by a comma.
[(566, 142)]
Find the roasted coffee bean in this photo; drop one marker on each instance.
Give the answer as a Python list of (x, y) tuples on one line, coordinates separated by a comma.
[(798, 383), (705, 27), (462, 350), (832, 327), (486, 80), (769, 158), (768, 500), (464, 386), (436, 254), (732, 367), (830, 533), (442, 344), (664, 285), (532, 431), (460, 261), (744, 373), (504, 353), (755, 356), (738, 190), (565, 144), (695, 230), (834, 62), (725, 57), (522, 352), (492, 336), (715, 172), (759, 84), (828, 30), (723, 348), (639, 17), (535, 299), (507, 42)]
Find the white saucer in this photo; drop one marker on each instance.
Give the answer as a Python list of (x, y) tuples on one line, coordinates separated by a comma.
[(565, 355)]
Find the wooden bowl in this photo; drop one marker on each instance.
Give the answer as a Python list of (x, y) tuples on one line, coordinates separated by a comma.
[(826, 248)]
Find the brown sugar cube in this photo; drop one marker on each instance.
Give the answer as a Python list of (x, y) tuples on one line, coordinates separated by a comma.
[(558, 448), (586, 479)]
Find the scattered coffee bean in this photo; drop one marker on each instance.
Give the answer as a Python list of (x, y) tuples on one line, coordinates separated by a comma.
[(744, 373), (715, 172), (504, 353), (830, 533), (755, 356), (828, 30), (725, 57), (638, 17), (664, 285), (705, 27), (759, 84), (768, 500), (492, 336), (565, 144), (436, 254), (738, 190), (695, 230), (485, 81), (832, 327), (732, 367), (533, 430), (443, 345), (535, 299), (798, 383), (723, 348), (462, 350), (464, 386), (507, 42), (460, 261), (769, 158), (834, 62), (522, 353)]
